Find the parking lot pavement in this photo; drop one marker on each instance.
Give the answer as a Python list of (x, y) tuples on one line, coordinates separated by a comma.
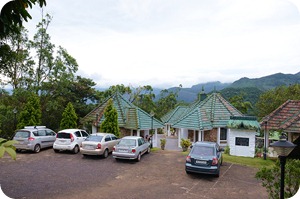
[(159, 175)]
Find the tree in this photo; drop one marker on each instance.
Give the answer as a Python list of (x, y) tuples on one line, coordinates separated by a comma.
[(166, 103), (272, 99), (143, 98), (110, 123), (239, 103), (69, 117), (13, 13), (45, 50), (15, 59), (31, 114)]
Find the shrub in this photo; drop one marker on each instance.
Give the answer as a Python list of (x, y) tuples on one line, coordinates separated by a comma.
[(7, 146), (185, 143), (270, 178), (163, 143), (227, 150)]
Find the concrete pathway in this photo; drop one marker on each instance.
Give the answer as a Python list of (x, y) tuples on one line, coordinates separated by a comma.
[(171, 144)]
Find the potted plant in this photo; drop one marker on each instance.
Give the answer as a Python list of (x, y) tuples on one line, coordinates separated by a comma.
[(163, 143), (185, 144)]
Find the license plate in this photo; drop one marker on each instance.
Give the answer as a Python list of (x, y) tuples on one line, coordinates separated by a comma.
[(89, 147), (200, 162), (122, 150)]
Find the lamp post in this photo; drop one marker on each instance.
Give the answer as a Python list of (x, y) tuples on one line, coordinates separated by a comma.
[(15, 118), (265, 143), (283, 149)]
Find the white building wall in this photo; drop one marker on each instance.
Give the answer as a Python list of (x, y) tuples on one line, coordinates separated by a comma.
[(247, 151)]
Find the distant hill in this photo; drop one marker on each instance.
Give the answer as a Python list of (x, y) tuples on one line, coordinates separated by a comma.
[(251, 88), (267, 82)]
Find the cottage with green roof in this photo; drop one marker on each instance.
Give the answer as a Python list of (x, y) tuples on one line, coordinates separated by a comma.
[(131, 119), (204, 120)]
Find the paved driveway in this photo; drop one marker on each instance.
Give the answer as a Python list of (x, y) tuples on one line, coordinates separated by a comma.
[(159, 175)]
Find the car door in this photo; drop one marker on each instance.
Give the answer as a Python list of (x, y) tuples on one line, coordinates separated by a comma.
[(43, 139), (79, 138), (114, 140), (84, 135), (51, 137), (108, 142), (141, 145)]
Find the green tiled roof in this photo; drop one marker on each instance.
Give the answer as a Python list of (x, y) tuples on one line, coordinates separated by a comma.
[(129, 115), (214, 111), (245, 122)]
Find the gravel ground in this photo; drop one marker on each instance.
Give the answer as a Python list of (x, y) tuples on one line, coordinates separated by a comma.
[(160, 174)]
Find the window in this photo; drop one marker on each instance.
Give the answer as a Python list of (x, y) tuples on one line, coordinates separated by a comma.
[(41, 133), (96, 138), (114, 137), (140, 142), (203, 151), (223, 134), (107, 138), (239, 141), (50, 133), (77, 133), (84, 134)]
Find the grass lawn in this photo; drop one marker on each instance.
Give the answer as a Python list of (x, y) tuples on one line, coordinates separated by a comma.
[(252, 162)]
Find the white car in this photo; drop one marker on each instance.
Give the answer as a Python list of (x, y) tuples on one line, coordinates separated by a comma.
[(69, 140), (99, 144)]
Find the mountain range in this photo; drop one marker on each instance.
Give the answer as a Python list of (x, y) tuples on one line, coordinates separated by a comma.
[(251, 88)]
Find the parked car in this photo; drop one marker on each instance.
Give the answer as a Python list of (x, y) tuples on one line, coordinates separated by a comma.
[(34, 138), (204, 157), (131, 147), (99, 144), (69, 140)]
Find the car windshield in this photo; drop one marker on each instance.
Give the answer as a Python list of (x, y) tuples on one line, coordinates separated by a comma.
[(203, 151), (95, 138), (127, 142), (22, 134)]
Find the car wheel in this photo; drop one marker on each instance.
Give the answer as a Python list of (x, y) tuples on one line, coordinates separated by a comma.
[(148, 150), (105, 154), (37, 148), (76, 149), (139, 157), (187, 172), (18, 150), (218, 174), (56, 150)]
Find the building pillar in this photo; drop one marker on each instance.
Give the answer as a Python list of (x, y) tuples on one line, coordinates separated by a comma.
[(179, 137), (138, 132), (131, 132), (218, 135), (194, 138), (199, 135), (155, 137)]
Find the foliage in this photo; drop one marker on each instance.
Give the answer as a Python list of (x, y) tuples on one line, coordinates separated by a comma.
[(167, 102), (7, 146), (163, 142), (185, 143), (270, 178), (31, 114), (227, 150), (239, 103), (110, 123), (272, 99), (69, 118), (13, 13), (143, 97)]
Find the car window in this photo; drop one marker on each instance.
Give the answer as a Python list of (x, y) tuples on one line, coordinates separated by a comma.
[(107, 138), (140, 141), (113, 137), (22, 134), (84, 134), (63, 135), (49, 132), (127, 142), (35, 133), (95, 138), (78, 134), (203, 150), (143, 141), (41, 133)]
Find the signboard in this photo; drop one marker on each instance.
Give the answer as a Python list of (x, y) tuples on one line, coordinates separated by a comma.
[(239, 141)]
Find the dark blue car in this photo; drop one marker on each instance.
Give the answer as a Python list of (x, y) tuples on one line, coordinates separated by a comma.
[(204, 157)]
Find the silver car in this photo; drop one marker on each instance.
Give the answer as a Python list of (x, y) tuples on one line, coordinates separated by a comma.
[(99, 144), (34, 138), (131, 147)]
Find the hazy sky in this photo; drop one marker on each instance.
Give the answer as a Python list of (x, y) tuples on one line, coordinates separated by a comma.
[(165, 43)]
